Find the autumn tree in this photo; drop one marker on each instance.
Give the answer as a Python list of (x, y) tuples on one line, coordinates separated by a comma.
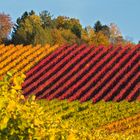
[(84, 36), (62, 22), (47, 19), (115, 34), (69, 37), (94, 38), (91, 35), (67, 23), (29, 30), (63, 36), (102, 34), (57, 37), (111, 32), (98, 27), (5, 26)]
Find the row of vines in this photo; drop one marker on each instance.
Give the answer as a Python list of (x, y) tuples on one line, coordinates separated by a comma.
[(22, 58), (86, 73), (24, 119)]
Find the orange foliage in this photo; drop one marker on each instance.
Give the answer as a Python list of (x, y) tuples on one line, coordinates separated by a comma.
[(22, 58)]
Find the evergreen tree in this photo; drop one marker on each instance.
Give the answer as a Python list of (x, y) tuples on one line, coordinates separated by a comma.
[(98, 26)]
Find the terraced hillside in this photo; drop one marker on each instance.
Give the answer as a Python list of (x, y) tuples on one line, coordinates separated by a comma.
[(22, 58), (87, 73)]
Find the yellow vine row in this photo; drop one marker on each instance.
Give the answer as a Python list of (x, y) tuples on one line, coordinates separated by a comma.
[(22, 58)]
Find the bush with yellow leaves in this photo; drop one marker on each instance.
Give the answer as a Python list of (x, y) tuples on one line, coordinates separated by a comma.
[(20, 118), (25, 119)]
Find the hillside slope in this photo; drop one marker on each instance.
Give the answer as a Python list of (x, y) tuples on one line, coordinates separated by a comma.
[(22, 58), (86, 73)]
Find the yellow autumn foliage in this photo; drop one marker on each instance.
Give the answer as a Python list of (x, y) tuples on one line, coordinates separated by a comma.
[(22, 58)]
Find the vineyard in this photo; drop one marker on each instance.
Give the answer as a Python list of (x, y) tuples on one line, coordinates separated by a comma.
[(101, 120), (86, 73), (129, 125), (21, 58), (69, 92), (22, 118), (61, 79)]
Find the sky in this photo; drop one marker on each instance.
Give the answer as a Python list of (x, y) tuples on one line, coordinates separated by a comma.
[(124, 13)]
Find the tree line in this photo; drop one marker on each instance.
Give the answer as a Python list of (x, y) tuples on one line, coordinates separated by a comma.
[(34, 29)]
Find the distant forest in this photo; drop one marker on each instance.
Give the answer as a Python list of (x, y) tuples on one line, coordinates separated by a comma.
[(43, 29)]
